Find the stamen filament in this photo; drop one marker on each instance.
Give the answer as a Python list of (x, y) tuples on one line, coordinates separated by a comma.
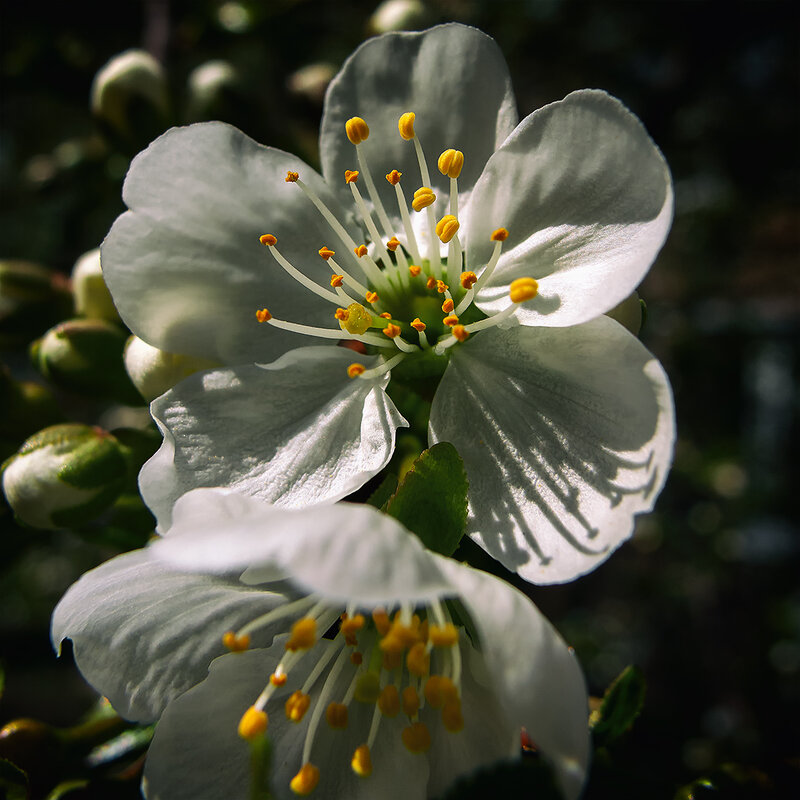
[(373, 193), (486, 274), (490, 322), (409, 228), (322, 703), (328, 333), (423, 165), (454, 262), (325, 294), (368, 221), (454, 196), (295, 607), (382, 368), (323, 662), (405, 346), (348, 278)]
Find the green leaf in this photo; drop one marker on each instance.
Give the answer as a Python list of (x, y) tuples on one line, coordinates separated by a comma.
[(431, 499), (622, 703), (384, 492), (13, 781)]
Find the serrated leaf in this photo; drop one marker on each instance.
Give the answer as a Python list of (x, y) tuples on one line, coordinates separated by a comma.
[(384, 492), (431, 499), (621, 704)]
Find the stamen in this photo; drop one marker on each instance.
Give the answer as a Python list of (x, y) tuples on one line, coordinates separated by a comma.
[(355, 369), (373, 231), (430, 283), (253, 724), (336, 715), (383, 368), (327, 333), (416, 737), (468, 279), (448, 305), (450, 163), (441, 287), (371, 297), (393, 244), (325, 253), (303, 635), (418, 660), (498, 237), (350, 176), (348, 278), (451, 321), (410, 701), (296, 274), (288, 610), (337, 280), (362, 762), (414, 270), (356, 129), (382, 621), (306, 780), (444, 636), (292, 177), (234, 643), (451, 715), (523, 289), (447, 227), (394, 178), (389, 701), (460, 332)]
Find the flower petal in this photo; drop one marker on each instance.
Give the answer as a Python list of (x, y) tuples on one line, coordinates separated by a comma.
[(185, 265), (535, 676), (587, 199), (345, 553), (565, 433), (197, 755), (296, 432), (143, 632), (455, 80)]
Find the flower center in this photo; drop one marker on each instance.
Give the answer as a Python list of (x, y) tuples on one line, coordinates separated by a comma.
[(389, 294), (407, 663)]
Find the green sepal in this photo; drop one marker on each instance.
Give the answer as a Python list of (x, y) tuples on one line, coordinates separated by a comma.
[(13, 782), (621, 704), (431, 499)]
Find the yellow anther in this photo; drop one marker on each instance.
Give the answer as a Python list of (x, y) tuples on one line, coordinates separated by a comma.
[(371, 297), (417, 324), (460, 332), (341, 314), (292, 177), (448, 306), (297, 705), (451, 162), (500, 235), (523, 289), (382, 621), (392, 330), (336, 281), (325, 253), (354, 370), (430, 283), (350, 175), (356, 658), (416, 738), (438, 689), (362, 762), (468, 280), (406, 125), (394, 177), (358, 319), (450, 320), (349, 626), (268, 239), (305, 781), (303, 635), (447, 227), (392, 660), (410, 701), (441, 287), (278, 679), (393, 244), (368, 688), (262, 315), (385, 315), (423, 198), (415, 270), (336, 715), (253, 723), (418, 660), (356, 129), (445, 636), (234, 643), (405, 634), (389, 701), (361, 250), (451, 715)]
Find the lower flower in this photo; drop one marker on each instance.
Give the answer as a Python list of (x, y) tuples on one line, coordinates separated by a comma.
[(377, 668)]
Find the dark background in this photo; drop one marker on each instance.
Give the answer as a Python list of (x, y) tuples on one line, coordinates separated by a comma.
[(705, 598)]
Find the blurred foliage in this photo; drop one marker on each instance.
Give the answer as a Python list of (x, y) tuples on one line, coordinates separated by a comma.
[(705, 599)]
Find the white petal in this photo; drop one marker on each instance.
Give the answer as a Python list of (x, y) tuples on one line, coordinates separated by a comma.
[(566, 434), (587, 199), (197, 755), (142, 632), (455, 80), (536, 677), (296, 432), (345, 553), (185, 265)]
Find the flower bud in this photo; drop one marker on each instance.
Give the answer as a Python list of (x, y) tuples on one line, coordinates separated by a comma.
[(398, 15), (92, 298), (214, 89), (85, 355), (64, 475), (311, 81), (32, 299), (130, 93), (629, 313), (153, 371)]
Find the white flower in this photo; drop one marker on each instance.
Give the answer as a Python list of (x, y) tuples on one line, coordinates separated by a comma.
[(564, 421), (431, 673)]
